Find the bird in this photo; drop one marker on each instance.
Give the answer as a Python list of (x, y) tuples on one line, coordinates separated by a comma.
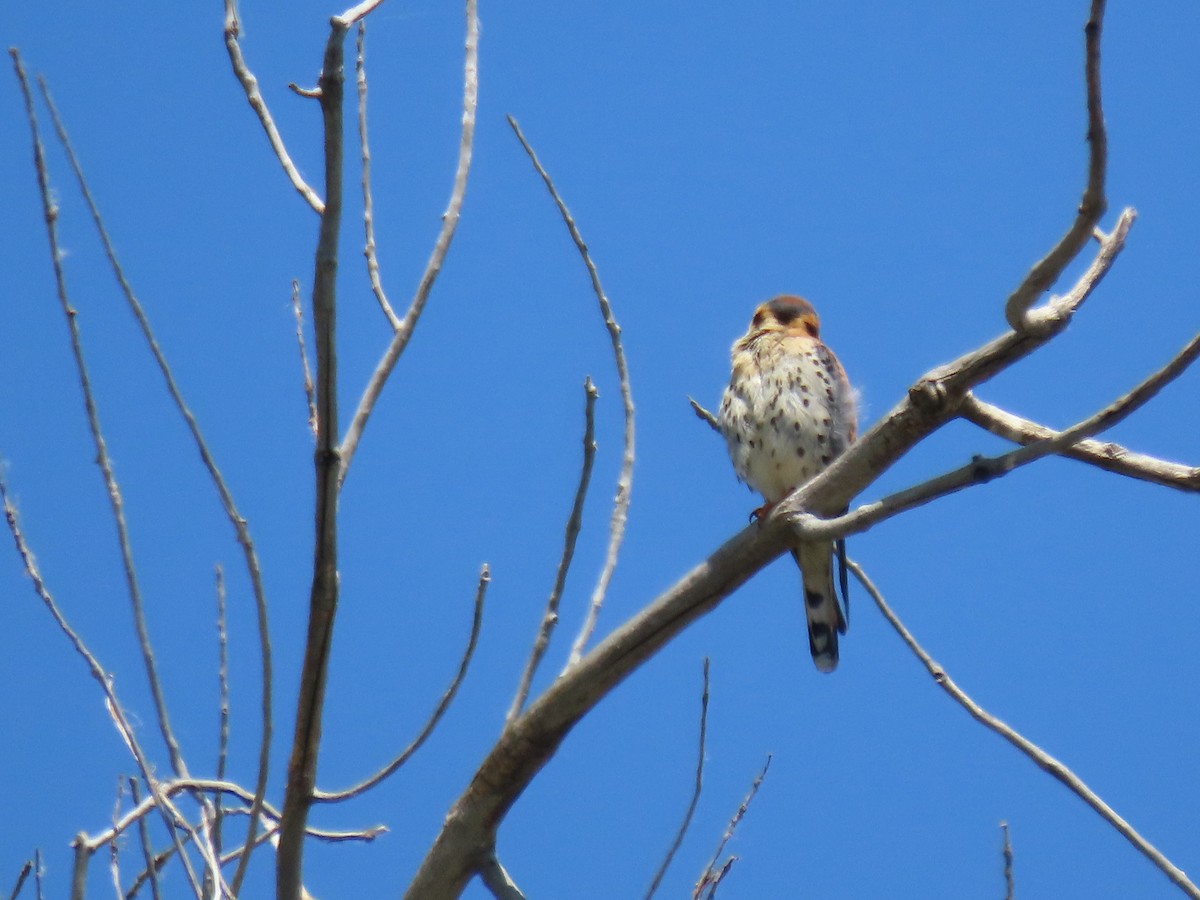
[(787, 413)]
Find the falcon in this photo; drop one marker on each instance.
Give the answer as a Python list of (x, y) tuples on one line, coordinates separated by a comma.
[(787, 413)]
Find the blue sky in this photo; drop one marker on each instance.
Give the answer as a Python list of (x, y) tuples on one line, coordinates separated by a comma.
[(900, 165)]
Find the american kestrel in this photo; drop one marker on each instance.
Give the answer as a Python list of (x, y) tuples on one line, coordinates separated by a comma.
[(788, 411)]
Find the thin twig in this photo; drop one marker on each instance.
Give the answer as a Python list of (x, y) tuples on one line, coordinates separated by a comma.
[(983, 469), (709, 879), (319, 796), (50, 211), (233, 30), (696, 788), (223, 700), (21, 877), (309, 395), (574, 523), (1008, 863), (620, 511), (369, 250), (1092, 206), (441, 247), (497, 880), (147, 847), (37, 872), (114, 850), (241, 527), (1041, 758), (112, 489), (1102, 454), (705, 416)]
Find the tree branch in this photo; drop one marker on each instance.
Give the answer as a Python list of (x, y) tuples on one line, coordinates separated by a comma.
[(441, 247), (1102, 454), (696, 788), (1041, 758), (233, 30), (323, 600), (620, 511), (1092, 206), (574, 523), (319, 796)]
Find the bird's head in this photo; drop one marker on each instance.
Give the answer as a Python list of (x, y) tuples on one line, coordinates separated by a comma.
[(786, 314)]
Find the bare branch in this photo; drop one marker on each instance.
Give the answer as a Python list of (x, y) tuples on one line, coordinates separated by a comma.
[(151, 871), (309, 390), (498, 881), (1092, 206), (21, 877), (240, 525), (620, 511), (51, 216), (319, 796), (1008, 863), (705, 416), (114, 851), (369, 250), (233, 30), (574, 523), (323, 599), (79, 870), (112, 489), (441, 247), (709, 879), (983, 469), (1041, 758), (223, 700), (699, 783), (1102, 454)]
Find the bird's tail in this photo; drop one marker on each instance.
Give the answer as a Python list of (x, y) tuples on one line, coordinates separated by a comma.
[(825, 619)]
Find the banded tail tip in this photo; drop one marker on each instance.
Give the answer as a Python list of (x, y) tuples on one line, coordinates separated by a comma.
[(822, 644)]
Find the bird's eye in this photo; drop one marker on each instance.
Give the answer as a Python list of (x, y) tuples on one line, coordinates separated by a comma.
[(811, 327), (758, 318)]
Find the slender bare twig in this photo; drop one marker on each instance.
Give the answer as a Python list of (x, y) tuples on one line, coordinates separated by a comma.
[(705, 416), (709, 879), (441, 246), (135, 793), (21, 877), (497, 880), (112, 489), (696, 788), (1008, 863), (37, 872), (620, 511), (218, 814), (1102, 454), (240, 525), (1092, 206), (983, 469), (369, 250), (574, 523), (309, 395), (1040, 757), (323, 599), (114, 850), (319, 796), (51, 216), (233, 30)]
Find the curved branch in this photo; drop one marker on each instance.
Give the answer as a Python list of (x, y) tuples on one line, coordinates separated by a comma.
[(620, 511), (320, 796), (441, 247), (1040, 757), (233, 31), (1102, 454), (1093, 204)]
